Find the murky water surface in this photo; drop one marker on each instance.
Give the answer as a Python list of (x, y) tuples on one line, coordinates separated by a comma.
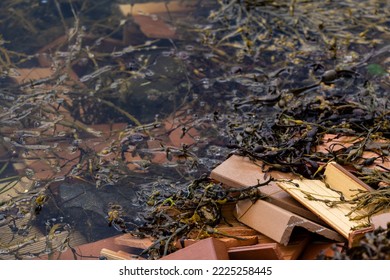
[(104, 102)]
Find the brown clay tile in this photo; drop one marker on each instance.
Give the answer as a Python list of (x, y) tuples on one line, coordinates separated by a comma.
[(26, 75), (106, 45), (151, 19), (240, 241), (227, 211), (229, 241), (129, 256), (239, 171), (268, 251), (31, 74), (236, 230), (380, 220), (337, 142), (46, 168), (109, 130), (174, 127), (284, 200), (131, 241), (290, 251), (158, 156), (278, 223), (206, 249), (153, 27), (229, 225), (44, 58), (46, 54), (154, 8), (119, 255), (295, 247)]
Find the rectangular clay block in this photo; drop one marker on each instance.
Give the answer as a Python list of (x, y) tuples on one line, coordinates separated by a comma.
[(119, 255), (337, 142), (239, 171), (269, 251), (154, 8), (231, 226), (229, 241), (206, 249), (134, 242), (380, 220), (25, 75), (277, 223)]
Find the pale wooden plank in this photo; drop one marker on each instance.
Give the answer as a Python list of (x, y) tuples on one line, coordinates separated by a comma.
[(340, 179), (334, 216)]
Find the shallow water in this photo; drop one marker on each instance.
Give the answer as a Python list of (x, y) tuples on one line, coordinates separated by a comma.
[(106, 123)]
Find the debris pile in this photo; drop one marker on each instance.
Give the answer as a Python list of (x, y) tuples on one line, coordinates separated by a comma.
[(268, 208), (234, 130)]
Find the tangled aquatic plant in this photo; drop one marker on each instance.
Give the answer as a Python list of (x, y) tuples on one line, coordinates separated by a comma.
[(191, 212)]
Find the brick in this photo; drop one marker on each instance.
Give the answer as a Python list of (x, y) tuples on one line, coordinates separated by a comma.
[(380, 220), (152, 27), (229, 242), (206, 249), (337, 143), (295, 247), (236, 230), (174, 126), (155, 8), (131, 241), (239, 171), (119, 255), (25, 75), (278, 223), (269, 251)]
